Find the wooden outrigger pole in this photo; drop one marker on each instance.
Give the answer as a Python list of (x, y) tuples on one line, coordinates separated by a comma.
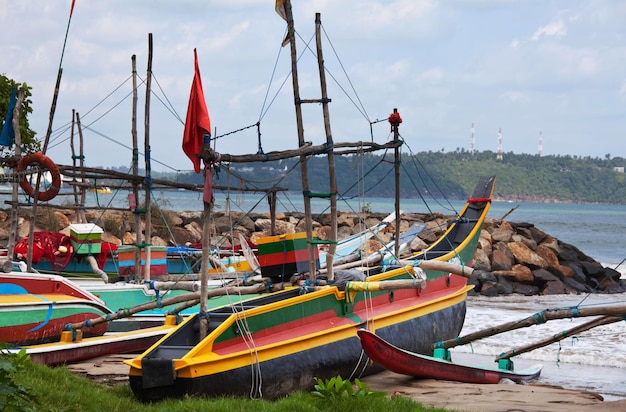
[(535, 319), (603, 320)]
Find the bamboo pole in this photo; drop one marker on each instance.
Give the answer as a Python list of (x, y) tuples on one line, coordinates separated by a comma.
[(536, 319), (604, 320)]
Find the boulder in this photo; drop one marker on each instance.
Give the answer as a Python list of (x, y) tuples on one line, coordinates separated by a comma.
[(527, 257)]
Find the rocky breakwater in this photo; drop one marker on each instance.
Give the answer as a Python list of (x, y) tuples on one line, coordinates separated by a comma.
[(519, 258), (511, 257)]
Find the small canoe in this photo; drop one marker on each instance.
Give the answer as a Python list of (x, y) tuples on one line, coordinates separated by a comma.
[(408, 363)]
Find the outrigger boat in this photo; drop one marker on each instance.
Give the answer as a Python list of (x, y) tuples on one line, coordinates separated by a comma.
[(422, 366), (278, 343)]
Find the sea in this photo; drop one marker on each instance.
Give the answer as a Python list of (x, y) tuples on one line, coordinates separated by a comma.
[(593, 361)]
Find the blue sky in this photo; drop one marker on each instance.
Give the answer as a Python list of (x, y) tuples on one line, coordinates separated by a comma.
[(555, 67)]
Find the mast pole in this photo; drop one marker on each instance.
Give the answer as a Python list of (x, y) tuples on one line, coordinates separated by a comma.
[(396, 136), (332, 247), (303, 158), (135, 161), (148, 234)]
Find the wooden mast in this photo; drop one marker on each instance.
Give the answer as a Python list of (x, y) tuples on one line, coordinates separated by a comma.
[(332, 247), (148, 220), (299, 124), (396, 168), (135, 161)]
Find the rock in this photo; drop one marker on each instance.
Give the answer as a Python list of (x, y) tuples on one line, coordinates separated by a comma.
[(500, 260), (554, 287), (547, 254), (502, 234), (525, 256), (481, 261), (526, 290)]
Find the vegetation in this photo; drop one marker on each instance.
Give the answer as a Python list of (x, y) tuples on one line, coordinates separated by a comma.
[(29, 143), (433, 174), (25, 386)]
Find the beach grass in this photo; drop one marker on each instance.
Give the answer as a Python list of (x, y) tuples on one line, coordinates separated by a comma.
[(59, 389)]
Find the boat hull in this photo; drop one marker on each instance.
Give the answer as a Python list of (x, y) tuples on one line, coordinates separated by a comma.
[(278, 377), (320, 345), (29, 319), (61, 353), (419, 365)]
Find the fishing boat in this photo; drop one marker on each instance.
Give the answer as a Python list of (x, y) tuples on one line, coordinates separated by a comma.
[(422, 366), (280, 342), (70, 349), (29, 316), (101, 189), (55, 252)]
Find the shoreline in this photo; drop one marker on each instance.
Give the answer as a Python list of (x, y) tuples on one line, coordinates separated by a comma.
[(505, 396)]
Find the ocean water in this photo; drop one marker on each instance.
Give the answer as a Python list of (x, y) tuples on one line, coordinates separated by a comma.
[(594, 360), (596, 229)]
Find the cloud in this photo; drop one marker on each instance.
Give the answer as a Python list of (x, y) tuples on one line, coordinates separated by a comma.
[(554, 29)]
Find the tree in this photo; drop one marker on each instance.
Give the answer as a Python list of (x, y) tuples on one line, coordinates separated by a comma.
[(29, 143)]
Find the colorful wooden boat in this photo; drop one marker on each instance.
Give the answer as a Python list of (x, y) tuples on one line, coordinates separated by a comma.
[(279, 343), (70, 349), (417, 365), (37, 316)]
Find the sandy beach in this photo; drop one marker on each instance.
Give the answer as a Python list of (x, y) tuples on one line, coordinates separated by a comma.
[(505, 396), (509, 397)]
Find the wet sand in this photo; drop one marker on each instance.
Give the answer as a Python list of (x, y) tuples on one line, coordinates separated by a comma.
[(506, 396)]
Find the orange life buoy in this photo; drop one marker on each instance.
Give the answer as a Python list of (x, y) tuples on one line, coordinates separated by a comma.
[(46, 163)]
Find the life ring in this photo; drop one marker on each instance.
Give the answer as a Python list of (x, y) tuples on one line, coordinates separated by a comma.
[(46, 163)]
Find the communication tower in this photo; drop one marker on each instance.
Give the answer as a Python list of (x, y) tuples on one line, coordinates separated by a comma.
[(540, 143), (499, 155), (472, 139)]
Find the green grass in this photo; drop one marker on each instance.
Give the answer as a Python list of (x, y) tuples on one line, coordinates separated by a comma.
[(58, 389)]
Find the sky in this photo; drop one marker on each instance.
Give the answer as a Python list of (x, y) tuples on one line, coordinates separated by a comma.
[(538, 70)]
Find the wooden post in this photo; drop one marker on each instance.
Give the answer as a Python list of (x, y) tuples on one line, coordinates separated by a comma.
[(83, 176), (18, 152), (148, 218)]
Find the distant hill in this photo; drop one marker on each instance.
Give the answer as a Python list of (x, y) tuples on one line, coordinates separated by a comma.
[(452, 175)]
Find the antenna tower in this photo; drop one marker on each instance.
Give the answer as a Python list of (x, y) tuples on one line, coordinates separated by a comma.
[(540, 143), (472, 140), (499, 156)]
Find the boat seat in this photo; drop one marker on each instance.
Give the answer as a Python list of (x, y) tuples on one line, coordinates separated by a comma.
[(171, 351)]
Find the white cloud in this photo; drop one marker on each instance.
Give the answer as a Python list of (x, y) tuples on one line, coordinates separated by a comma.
[(554, 29)]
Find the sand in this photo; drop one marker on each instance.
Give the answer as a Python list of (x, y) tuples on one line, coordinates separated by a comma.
[(506, 396)]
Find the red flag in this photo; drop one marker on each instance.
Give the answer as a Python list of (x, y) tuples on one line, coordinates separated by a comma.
[(197, 122), (72, 8)]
